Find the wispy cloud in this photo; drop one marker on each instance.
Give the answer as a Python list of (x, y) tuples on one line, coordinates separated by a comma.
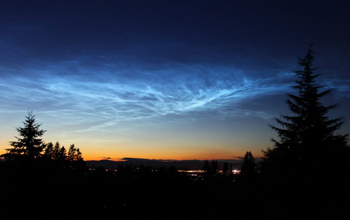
[(158, 95), (100, 96)]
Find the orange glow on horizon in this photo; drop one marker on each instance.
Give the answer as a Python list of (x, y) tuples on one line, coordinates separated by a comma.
[(91, 154)]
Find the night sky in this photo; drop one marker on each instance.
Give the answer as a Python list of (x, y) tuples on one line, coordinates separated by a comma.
[(165, 79)]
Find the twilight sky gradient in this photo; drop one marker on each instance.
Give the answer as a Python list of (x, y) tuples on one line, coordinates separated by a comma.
[(165, 79)]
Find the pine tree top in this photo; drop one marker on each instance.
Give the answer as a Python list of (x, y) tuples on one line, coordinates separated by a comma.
[(308, 131), (28, 144), (310, 120)]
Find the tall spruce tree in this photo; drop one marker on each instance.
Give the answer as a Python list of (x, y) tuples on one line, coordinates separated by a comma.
[(248, 165), (29, 145), (307, 138)]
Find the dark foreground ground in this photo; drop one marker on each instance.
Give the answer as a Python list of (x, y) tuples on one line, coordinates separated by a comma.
[(46, 192)]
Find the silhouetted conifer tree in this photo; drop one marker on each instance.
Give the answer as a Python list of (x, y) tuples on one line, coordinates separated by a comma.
[(74, 154), (214, 166), (48, 152), (62, 154), (248, 165), (29, 144), (307, 138), (206, 166), (56, 151)]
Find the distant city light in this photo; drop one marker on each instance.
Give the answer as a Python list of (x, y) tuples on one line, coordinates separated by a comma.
[(235, 171)]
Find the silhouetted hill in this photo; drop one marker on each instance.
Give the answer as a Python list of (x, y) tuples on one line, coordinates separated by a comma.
[(180, 164), (102, 163)]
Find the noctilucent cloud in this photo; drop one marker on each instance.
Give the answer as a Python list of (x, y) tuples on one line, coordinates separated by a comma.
[(165, 79)]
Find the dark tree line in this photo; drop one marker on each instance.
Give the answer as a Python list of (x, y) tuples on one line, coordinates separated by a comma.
[(211, 169), (29, 146), (55, 152)]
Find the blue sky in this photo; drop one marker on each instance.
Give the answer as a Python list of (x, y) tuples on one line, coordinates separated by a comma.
[(165, 79)]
